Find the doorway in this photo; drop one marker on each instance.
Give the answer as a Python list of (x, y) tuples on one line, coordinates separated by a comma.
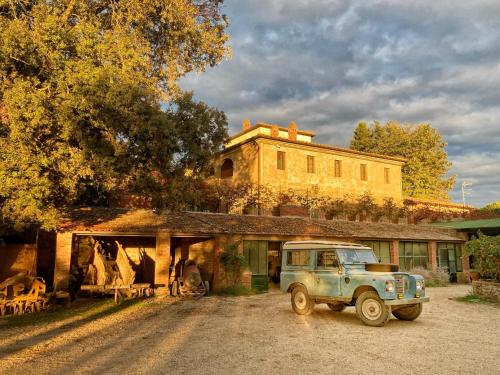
[(274, 264), (450, 258)]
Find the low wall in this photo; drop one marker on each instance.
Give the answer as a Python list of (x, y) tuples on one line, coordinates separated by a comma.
[(488, 289)]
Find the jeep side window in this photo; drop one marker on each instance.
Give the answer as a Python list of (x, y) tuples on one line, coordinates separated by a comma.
[(326, 259), (297, 258)]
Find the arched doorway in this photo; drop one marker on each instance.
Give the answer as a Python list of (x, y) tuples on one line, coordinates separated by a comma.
[(226, 170)]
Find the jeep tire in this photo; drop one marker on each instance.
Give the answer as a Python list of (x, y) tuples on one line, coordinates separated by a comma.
[(410, 312), (337, 307), (301, 303), (371, 309)]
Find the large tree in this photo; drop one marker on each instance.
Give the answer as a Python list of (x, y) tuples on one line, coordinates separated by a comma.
[(89, 101), (425, 173)]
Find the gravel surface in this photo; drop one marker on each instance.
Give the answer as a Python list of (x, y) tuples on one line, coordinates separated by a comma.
[(259, 334)]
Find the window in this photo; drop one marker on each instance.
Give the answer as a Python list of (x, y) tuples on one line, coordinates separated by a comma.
[(387, 175), (413, 254), (280, 160), (326, 259), (338, 168), (226, 170), (310, 164), (363, 172), (298, 258), (381, 249)]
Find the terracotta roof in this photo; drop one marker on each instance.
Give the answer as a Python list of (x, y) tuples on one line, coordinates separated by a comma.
[(318, 145), (148, 221), (436, 202)]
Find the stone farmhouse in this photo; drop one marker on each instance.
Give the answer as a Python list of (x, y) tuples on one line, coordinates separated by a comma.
[(283, 158), (287, 158)]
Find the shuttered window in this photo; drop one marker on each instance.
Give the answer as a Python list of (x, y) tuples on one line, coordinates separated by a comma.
[(280, 160), (387, 175), (338, 168), (363, 172), (310, 164)]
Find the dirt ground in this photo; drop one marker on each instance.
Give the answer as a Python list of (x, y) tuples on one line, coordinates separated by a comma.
[(257, 334)]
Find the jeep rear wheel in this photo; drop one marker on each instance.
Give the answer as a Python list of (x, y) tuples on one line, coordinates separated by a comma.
[(371, 309), (410, 312), (301, 303), (337, 307)]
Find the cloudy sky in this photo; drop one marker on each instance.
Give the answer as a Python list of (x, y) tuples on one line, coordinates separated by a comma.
[(329, 64)]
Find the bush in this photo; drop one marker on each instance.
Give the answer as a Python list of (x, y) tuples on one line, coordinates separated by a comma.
[(486, 253), (433, 278), (233, 262)]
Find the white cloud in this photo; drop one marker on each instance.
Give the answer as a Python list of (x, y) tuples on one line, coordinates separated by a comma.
[(329, 64)]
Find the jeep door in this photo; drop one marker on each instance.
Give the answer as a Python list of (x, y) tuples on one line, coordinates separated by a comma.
[(297, 267), (326, 278)]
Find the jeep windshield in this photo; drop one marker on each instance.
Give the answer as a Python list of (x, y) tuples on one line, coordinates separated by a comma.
[(356, 256)]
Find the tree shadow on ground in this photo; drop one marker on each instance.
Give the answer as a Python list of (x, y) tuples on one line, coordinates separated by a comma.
[(89, 313)]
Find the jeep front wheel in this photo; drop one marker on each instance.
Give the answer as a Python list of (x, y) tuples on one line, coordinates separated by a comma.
[(371, 309), (410, 312), (301, 303)]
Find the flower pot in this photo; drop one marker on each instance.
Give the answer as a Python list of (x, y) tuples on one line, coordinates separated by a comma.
[(474, 275)]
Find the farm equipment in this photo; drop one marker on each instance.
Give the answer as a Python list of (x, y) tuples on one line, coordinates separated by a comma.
[(113, 276), (189, 282), (22, 294)]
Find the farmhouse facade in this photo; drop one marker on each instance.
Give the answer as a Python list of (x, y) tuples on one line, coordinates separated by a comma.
[(287, 158)]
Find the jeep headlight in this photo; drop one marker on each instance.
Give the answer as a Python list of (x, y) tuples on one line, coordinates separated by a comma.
[(420, 285), (390, 287)]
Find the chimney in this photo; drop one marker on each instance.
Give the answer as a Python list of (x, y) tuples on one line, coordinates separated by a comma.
[(292, 131), (275, 132), (246, 124)]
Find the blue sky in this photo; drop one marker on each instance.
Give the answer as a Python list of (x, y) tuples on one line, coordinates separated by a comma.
[(329, 64)]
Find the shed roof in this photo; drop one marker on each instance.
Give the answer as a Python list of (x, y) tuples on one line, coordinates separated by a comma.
[(197, 223), (470, 224)]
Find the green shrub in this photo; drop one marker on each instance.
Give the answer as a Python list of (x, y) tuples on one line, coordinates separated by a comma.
[(233, 262), (433, 278), (486, 253)]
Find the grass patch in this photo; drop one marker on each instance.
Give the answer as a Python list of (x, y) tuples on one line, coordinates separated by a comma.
[(236, 290), (81, 309), (474, 298)]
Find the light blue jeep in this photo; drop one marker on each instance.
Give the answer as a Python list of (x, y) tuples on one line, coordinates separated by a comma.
[(346, 274)]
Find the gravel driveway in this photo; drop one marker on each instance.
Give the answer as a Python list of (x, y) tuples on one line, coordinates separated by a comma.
[(259, 334)]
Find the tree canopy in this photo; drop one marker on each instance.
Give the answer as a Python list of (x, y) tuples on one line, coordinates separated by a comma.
[(425, 173), (89, 101)]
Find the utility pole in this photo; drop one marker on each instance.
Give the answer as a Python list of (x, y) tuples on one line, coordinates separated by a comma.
[(465, 190)]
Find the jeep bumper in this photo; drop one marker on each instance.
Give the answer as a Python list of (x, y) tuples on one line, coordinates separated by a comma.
[(409, 301)]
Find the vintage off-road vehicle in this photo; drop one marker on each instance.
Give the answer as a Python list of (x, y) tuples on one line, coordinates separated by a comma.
[(347, 274)]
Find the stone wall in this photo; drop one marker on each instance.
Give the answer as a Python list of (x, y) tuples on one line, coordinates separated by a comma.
[(488, 289)]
